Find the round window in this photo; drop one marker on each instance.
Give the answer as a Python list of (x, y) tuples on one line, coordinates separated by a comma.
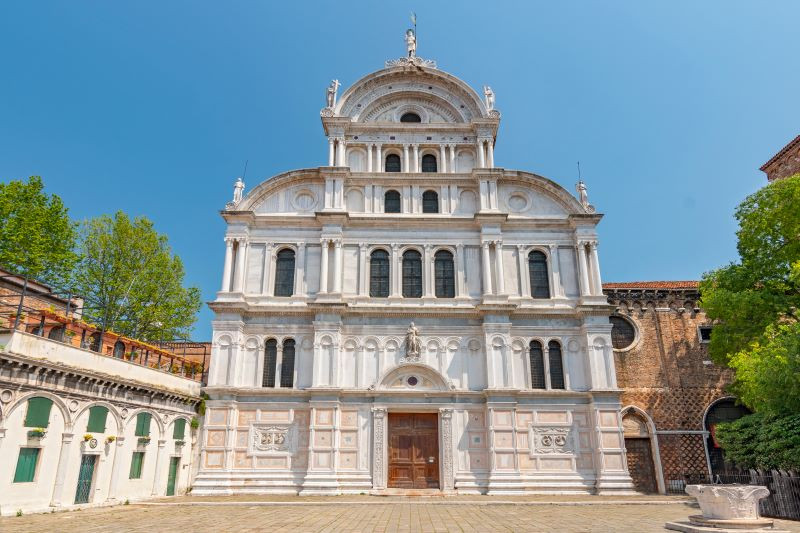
[(623, 333), (412, 381)]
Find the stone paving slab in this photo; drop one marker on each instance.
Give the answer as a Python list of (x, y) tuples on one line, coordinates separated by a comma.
[(364, 517)]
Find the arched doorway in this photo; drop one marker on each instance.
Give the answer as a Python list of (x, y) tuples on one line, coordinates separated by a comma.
[(724, 410), (639, 452)]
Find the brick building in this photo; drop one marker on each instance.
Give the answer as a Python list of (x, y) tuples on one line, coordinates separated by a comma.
[(673, 394), (785, 163)]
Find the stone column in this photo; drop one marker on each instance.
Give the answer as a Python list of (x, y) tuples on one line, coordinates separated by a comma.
[(300, 270), (359, 352), (524, 275), (555, 271), (369, 157), (452, 166), (405, 159), (278, 364), (448, 470), (442, 159), (362, 270), (460, 292), (492, 184), (583, 272), (416, 159), (498, 266), (323, 267), (340, 152), (379, 158), (269, 284), (379, 465), (427, 271), (337, 266), (595, 262), (61, 469), (546, 360), (116, 467), (481, 160), (487, 269), (331, 151), (226, 271), (394, 271), (490, 153), (157, 473), (238, 281)]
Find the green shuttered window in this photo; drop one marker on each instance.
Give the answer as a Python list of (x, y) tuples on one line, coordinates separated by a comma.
[(38, 415), (26, 465), (143, 425), (136, 465), (180, 428), (97, 419)]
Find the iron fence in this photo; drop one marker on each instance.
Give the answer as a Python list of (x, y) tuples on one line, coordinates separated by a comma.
[(784, 488), (29, 306)]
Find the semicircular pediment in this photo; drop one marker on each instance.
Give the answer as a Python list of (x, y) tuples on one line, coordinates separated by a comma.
[(463, 102), (430, 108), (413, 377)]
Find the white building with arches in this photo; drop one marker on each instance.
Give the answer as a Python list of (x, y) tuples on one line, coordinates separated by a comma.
[(79, 428), (412, 315)]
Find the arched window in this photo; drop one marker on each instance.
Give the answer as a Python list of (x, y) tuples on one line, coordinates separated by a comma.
[(119, 349), (56, 334), (537, 365), (270, 360), (622, 333), (391, 202), (444, 274), (725, 410), (94, 341), (537, 268), (379, 274), (412, 274), (556, 365), (410, 117), (392, 163), (287, 364), (429, 163), (284, 273), (430, 202)]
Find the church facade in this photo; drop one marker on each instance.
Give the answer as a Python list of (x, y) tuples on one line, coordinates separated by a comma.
[(412, 315)]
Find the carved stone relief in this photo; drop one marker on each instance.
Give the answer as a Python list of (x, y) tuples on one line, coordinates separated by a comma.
[(266, 439), (551, 440)]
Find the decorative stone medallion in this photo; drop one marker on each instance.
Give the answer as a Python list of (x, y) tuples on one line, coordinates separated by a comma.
[(6, 396), (551, 440), (273, 438), (73, 405)]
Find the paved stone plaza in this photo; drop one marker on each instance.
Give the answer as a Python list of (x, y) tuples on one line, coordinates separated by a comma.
[(369, 514)]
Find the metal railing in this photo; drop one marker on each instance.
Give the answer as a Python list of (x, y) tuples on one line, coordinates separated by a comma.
[(27, 305)]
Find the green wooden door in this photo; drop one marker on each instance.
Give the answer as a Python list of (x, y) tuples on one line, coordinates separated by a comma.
[(85, 476), (173, 474)]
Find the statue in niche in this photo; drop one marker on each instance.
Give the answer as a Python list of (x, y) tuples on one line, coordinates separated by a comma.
[(238, 187), (411, 43), (330, 94), (582, 194), (413, 342), (489, 93)]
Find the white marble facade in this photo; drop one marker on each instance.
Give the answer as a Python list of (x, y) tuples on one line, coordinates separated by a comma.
[(308, 366)]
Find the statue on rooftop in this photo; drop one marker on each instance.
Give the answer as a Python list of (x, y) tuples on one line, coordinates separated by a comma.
[(582, 194), (411, 43), (489, 93), (330, 94), (238, 187)]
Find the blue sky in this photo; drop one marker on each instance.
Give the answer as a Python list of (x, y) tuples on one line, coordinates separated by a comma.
[(152, 107)]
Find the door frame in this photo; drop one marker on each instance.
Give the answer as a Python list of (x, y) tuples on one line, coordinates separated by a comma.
[(177, 473), (92, 484), (380, 444), (655, 452)]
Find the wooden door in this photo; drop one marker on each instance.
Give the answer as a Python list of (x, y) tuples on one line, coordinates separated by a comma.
[(640, 464), (174, 462), (413, 450), (85, 477)]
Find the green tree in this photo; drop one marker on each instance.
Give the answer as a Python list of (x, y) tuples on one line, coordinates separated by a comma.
[(37, 237), (131, 281), (754, 302)]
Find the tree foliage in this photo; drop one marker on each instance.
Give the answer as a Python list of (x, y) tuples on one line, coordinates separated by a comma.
[(132, 282), (37, 237), (762, 441), (754, 302)]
